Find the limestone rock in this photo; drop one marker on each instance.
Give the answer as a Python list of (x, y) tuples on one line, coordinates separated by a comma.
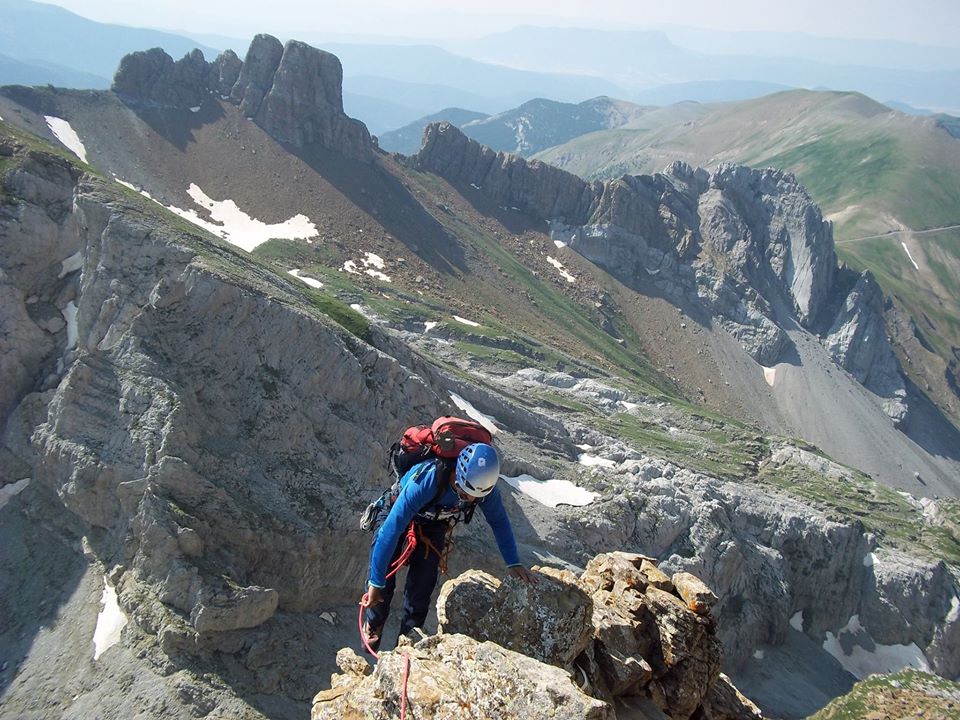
[(303, 103), (464, 601), (455, 676), (223, 73), (606, 571), (694, 592), (687, 662), (246, 608), (352, 664), (256, 74), (857, 340), (293, 92), (548, 620), (152, 77), (725, 702)]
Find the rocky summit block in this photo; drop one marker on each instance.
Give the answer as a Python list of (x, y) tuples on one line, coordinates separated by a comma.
[(620, 629), (454, 677), (293, 91)]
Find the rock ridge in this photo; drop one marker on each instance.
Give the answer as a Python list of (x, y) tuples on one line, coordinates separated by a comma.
[(748, 247), (621, 629), (292, 91)]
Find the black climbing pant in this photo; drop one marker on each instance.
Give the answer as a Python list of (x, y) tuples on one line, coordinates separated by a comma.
[(422, 572)]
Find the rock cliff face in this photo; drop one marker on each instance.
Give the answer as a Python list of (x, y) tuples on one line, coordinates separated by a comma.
[(749, 247), (293, 91)]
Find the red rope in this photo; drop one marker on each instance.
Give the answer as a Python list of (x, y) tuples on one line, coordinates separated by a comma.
[(403, 695), (406, 661), (407, 552)]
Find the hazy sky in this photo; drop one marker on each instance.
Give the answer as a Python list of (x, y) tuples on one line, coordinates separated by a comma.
[(925, 21)]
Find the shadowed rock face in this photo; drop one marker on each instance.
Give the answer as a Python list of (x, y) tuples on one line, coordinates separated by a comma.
[(750, 247), (293, 92)]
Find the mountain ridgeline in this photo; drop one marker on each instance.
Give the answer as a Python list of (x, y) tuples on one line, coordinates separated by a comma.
[(533, 126), (747, 247), (195, 420)]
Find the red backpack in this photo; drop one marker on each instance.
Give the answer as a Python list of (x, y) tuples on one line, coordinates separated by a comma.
[(442, 440), (446, 437)]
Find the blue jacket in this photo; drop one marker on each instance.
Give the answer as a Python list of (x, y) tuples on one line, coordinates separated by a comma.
[(418, 487)]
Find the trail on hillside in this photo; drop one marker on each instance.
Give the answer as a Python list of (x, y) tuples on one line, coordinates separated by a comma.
[(890, 233)]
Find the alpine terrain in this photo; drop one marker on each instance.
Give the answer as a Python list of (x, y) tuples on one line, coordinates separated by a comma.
[(222, 302)]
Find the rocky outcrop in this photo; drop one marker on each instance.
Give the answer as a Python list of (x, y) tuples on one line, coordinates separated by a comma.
[(453, 677), (293, 91), (748, 247), (152, 77), (858, 342), (619, 629), (215, 515)]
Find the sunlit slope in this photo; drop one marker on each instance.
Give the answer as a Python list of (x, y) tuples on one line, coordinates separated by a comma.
[(873, 168), (889, 182)]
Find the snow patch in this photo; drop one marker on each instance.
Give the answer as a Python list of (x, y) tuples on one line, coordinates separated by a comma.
[(378, 275), (596, 461), (475, 186), (66, 135), (9, 491), (351, 267), (769, 374), (559, 243), (110, 622), (758, 654), (471, 323), (195, 109), (134, 188), (869, 559), (796, 622), (374, 260), (563, 271), (861, 662), (430, 325), (954, 612), (232, 224), (551, 492), (909, 255), (488, 421), (70, 316), (71, 264), (312, 282)]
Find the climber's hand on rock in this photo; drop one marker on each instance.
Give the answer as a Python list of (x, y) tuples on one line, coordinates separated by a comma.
[(521, 573)]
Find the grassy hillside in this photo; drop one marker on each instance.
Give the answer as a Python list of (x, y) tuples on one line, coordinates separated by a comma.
[(908, 693), (885, 180)]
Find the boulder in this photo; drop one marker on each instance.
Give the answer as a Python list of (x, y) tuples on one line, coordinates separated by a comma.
[(548, 620), (451, 677), (694, 592), (246, 608)]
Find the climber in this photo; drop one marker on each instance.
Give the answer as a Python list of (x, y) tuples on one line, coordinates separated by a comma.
[(433, 497)]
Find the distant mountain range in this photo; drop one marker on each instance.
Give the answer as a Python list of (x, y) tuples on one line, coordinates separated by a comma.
[(525, 130), (47, 44), (638, 60)]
